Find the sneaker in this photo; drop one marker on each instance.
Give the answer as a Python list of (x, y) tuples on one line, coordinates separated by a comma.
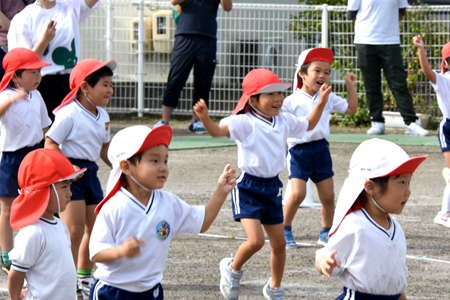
[(86, 283), (229, 280), (377, 128), (416, 129), (197, 127), (446, 175), (270, 294), (323, 238), (442, 219), (6, 267), (160, 123), (290, 242)]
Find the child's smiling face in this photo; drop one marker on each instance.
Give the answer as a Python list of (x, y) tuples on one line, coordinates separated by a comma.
[(268, 103), (317, 74)]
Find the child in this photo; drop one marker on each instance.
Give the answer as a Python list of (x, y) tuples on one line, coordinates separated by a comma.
[(367, 248), (260, 131), (81, 132), (441, 84), (23, 122), (41, 253), (305, 153), (136, 221)]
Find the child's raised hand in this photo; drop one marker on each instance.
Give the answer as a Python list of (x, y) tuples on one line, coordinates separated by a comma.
[(19, 94), (325, 91), (327, 264), (131, 247), (350, 79), (418, 42), (227, 181), (201, 109)]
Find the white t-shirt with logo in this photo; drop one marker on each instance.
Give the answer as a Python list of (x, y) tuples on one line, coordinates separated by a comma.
[(122, 217), (27, 27)]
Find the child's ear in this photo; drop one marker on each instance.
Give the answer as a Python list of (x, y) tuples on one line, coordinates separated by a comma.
[(369, 187), (15, 78), (125, 167), (84, 86)]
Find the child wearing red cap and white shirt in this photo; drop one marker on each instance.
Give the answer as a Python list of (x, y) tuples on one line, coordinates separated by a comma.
[(81, 132), (23, 122), (136, 221), (441, 84), (367, 248), (309, 156), (260, 130), (45, 176)]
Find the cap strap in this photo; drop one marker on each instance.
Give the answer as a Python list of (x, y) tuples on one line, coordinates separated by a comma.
[(378, 205), (143, 187)]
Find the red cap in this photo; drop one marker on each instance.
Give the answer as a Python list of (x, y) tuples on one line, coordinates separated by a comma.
[(79, 73), (19, 59), (445, 54), (309, 55), (38, 170), (259, 81)]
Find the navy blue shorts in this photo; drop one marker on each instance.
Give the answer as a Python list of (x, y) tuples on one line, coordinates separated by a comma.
[(258, 198), (102, 291), (444, 134), (311, 160), (9, 167), (88, 187), (351, 294)]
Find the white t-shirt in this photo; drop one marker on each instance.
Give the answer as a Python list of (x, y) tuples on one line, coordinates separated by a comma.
[(21, 125), (301, 104), (442, 88), (372, 259), (79, 133), (261, 143), (42, 250), (377, 21), (27, 27), (122, 217)]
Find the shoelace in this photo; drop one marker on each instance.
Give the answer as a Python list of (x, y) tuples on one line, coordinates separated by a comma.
[(234, 282)]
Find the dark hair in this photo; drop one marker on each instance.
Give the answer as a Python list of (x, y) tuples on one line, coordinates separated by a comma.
[(382, 182), (303, 69), (18, 74), (95, 77), (135, 158)]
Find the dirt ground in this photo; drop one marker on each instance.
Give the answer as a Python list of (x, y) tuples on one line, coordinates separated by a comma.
[(193, 261)]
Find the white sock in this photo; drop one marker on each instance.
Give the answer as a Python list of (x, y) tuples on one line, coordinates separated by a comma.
[(446, 199)]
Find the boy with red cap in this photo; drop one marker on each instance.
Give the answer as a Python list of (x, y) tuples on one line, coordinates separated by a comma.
[(45, 176), (260, 130), (136, 221), (23, 122), (81, 132), (309, 155), (441, 84), (367, 248)]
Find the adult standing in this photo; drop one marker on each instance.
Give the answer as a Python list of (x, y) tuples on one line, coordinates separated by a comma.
[(8, 9), (377, 41), (195, 45)]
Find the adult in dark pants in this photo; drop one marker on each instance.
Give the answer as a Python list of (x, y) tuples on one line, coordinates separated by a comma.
[(195, 45), (377, 41)]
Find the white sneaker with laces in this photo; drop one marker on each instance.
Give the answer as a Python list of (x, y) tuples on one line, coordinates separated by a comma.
[(377, 128), (416, 129), (270, 294), (442, 219), (229, 280)]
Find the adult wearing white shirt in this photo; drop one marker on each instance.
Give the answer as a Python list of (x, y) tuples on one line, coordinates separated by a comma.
[(377, 41)]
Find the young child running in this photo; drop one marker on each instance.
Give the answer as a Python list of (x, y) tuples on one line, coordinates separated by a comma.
[(23, 122), (441, 84), (81, 132), (367, 248), (41, 252), (136, 221), (309, 155), (260, 131)]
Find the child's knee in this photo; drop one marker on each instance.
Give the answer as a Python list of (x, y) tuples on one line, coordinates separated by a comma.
[(76, 232), (298, 196), (256, 244), (278, 246)]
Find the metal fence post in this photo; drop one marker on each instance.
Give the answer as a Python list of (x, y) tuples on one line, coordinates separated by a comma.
[(325, 25), (141, 42), (109, 29)]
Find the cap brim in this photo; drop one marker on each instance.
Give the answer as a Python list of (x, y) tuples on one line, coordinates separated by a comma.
[(276, 87), (407, 167), (28, 207), (74, 175)]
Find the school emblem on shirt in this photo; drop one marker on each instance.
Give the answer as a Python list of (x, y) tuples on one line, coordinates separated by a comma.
[(163, 230), (106, 126)]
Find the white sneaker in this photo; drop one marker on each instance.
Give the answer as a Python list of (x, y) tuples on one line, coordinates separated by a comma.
[(442, 219), (446, 175), (416, 129), (377, 128), (229, 280), (270, 294), (86, 283)]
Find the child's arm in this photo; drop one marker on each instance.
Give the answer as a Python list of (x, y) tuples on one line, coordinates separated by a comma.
[(226, 183), (402, 297), (46, 38), (423, 59), (352, 98), (19, 94), (49, 143), (325, 265), (15, 284), (104, 154), (129, 248), (212, 128), (45, 130), (316, 113)]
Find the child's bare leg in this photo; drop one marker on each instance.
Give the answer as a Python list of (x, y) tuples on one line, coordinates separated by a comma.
[(84, 263), (298, 194), (446, 197), (255, 241), (325, 189), (75, 217), (6, 232), (278, 255)]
